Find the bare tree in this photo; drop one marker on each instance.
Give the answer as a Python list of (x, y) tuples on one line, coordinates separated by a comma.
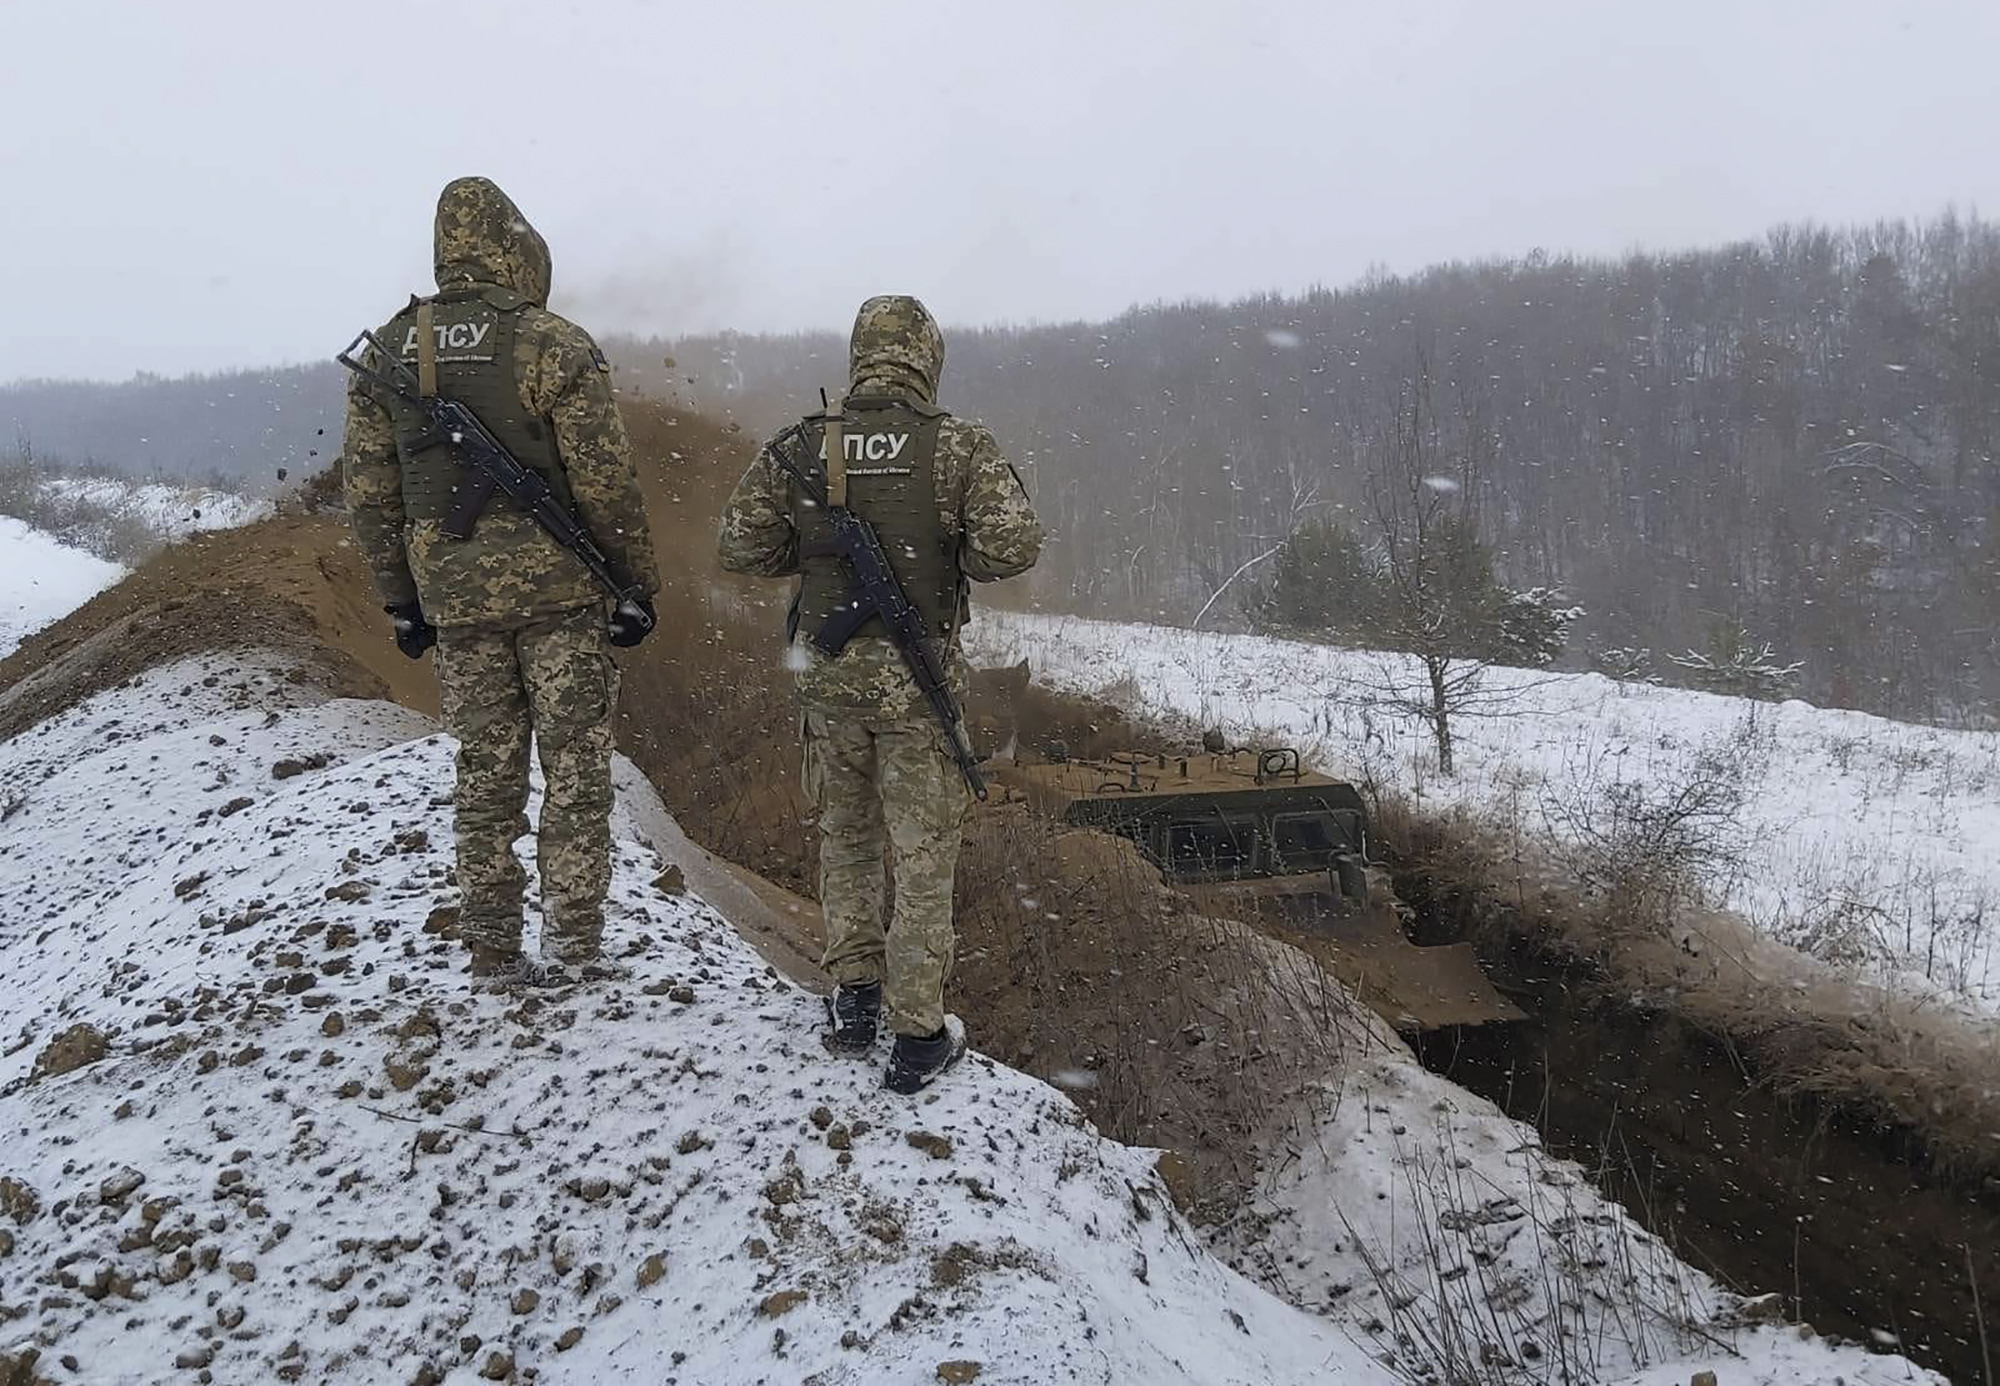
[(1424, 497)]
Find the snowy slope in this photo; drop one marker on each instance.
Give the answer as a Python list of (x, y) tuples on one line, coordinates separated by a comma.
[(1419, 1217), (1871, 842), (312, 1153), (41, 581), (173, 512)]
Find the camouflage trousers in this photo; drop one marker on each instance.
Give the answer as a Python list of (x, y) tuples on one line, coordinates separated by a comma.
[(887, 785), (552, 679)]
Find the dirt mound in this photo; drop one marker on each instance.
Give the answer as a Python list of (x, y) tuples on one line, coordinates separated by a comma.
[(1170, 1028), (294, 584)]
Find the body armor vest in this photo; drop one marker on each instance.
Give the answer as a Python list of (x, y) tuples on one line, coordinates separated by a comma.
[(890, 448), (473, 331)]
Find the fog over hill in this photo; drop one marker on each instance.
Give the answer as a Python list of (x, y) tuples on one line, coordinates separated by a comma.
[(235, 425), (1793, 438), (1797, 434)]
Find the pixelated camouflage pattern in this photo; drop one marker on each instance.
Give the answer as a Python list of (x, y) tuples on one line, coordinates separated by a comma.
[(895, 348), (372, 483), (554, 677), (896, 351), (888, 785), (480, 237), (509, 570)]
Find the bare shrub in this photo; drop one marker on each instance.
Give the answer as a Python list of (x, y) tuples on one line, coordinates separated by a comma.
[(1838, 929), (107, 521), (1645, 847)]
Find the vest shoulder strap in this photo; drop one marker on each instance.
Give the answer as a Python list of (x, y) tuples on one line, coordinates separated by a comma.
[(917, 407)]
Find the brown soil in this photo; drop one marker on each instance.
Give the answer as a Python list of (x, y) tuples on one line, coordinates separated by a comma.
[(294, 584), (1785, 1136), (1170, 1028)]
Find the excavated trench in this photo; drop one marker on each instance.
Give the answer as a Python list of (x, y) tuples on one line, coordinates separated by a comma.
[(1847, 1218)]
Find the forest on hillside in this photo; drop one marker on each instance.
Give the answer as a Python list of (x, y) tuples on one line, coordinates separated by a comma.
[(1787, 442), (234, 427)]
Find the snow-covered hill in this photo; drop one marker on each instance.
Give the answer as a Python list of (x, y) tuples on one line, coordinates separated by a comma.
[(42, 581), (171, 511), (258, 1126), (310, 1152), (1871, 843)]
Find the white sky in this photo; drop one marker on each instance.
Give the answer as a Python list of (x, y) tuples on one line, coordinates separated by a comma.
[(213, 183)]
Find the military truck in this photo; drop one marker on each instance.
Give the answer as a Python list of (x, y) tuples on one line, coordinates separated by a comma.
[(1254, 831)]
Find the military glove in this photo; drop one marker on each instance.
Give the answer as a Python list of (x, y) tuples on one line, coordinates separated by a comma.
[(414, 634), (631, 622)]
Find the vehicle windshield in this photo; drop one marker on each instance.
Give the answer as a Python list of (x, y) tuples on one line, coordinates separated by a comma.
[(1212, 844), (1303, 841)]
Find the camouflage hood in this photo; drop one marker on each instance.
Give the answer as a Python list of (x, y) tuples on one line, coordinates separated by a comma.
[(896, 349), (482, 238)]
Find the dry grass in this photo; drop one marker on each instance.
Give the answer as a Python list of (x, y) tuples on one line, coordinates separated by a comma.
[(117, 530), (1598, 1296)]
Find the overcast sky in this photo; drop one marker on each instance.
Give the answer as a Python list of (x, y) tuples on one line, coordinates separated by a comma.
[(209, 183)]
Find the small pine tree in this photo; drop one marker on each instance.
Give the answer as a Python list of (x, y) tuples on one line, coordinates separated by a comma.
[(1533, 625), (1737, 664), (1324, 583), (1626, 663)]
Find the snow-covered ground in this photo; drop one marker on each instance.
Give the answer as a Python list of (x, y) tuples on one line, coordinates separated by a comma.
[(42, 581), (314, 1154), (1418, 1217), (172, 511), (1872, 843), (311, 1152)]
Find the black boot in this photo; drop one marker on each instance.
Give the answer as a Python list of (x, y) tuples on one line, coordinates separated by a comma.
[(918, 1061), (853, 1014)]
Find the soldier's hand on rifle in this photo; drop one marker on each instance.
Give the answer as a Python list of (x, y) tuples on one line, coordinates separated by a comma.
[(414, 634), (631, 622)]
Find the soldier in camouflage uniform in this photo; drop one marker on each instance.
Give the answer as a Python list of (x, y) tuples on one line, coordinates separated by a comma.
[(948, 507), (519, 625)]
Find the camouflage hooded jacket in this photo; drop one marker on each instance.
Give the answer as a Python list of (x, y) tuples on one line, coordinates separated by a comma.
[(896, 350), (509, 570)]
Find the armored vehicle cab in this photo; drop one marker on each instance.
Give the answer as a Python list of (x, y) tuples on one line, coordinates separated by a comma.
[(1212, 818)]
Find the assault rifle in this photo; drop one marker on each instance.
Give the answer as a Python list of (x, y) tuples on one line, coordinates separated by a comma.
[(493, 467), (878, 592)]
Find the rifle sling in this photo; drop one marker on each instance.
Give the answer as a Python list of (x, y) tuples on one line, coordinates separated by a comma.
[(427, 356), (836, 457)]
